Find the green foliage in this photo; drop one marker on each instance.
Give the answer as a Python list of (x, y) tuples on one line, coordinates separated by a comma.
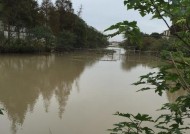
[(40, 39), (150, 42), (133, 125), (130, 29), (43, 35), (80, 30), (174, 75), (22, 46), (156, 35), (1, 111), (95, 39), (47, 22), (65, 41)]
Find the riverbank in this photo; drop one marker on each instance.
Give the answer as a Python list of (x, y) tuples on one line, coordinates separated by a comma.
[(97, 51)]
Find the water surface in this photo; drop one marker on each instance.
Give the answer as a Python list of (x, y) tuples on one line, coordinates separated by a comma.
[(72, 93)]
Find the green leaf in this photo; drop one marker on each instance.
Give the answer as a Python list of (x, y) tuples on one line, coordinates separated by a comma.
[(125, 2), (122, 114), (144, 89), (143, 117), (1, 112)]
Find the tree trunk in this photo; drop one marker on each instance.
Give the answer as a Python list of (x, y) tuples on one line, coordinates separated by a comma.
[(18, 33), (9, 33)]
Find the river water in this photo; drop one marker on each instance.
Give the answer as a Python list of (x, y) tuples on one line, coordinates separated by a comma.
[(74, 93)]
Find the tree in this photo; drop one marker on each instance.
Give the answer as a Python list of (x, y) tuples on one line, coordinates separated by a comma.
[(156, 35), (26, 12), (65, 10), (66, 41), (45, 8), (54, 22), (8, 15), (173, 76), (36, 23), (20, 14), (64, 5)]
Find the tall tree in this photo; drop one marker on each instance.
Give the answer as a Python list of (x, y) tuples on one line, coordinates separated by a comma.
[(54, 22), (45, 8), (18, 14), (64, 5), (8, 15), (26, 15)]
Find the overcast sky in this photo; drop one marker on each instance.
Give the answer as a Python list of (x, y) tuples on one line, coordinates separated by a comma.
[(103, 13)]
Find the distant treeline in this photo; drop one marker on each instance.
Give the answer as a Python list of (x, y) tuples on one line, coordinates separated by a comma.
[(154, 42), (28, 27)]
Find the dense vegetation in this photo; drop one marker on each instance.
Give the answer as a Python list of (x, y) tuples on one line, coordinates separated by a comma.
[(173, 76), (153, 42), (28, 27)]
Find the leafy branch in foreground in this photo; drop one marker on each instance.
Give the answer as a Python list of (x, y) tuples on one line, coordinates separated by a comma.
[(133, 125), (1, 111), (174, 75), (130, 29)]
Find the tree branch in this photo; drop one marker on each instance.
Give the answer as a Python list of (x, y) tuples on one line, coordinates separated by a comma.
[(157, 10), (183, 80)]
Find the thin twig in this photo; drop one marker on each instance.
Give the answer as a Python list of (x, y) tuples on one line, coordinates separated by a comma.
[(183, 80), (132, 122), (138, 127)]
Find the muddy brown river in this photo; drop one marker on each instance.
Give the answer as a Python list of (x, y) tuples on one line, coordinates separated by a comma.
[(74, 93)]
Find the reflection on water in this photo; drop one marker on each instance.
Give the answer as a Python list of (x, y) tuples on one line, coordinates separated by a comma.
[(68, 93), (173, 96), (133, 61), (24, 78)]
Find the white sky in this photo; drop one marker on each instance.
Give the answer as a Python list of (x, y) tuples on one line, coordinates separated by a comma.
[(103, 13)]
